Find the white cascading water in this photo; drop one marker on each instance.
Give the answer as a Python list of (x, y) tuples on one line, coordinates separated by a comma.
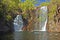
[(18, 23), (44, 18), (44, 27)]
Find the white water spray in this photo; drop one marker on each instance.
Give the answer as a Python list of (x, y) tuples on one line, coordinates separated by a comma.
[(44, 27), (18, 23)]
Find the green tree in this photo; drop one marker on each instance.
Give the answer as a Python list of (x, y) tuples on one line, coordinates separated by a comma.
[(27, 4), (45, 4)]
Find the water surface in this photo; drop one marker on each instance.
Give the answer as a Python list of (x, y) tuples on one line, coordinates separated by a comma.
[(31, 36)]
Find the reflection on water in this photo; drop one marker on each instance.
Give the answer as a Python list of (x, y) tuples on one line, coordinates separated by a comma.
[(31, 36)]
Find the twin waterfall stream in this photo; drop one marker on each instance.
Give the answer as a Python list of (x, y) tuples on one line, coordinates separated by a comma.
[(42, 24)]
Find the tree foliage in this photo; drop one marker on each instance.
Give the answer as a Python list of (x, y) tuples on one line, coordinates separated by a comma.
[(8, 6), (44, 4), (11, 4), (27, 4)]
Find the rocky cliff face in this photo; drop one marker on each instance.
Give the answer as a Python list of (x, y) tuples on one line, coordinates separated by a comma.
[(54, 22)]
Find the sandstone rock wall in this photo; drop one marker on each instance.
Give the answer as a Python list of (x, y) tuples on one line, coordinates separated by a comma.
[(54, 22)]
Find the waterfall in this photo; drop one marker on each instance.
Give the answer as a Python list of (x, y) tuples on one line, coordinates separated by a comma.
[(41, 26), (43, 16), (44, 27), (18, 23)]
